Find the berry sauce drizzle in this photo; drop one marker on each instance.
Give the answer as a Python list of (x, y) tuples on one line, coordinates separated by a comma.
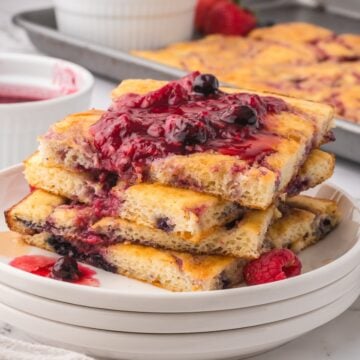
[(184, 117), (43, 266)]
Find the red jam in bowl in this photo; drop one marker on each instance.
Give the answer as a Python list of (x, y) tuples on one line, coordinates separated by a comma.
[(64, 81), (14, 94), (180, 119), (8, 99)]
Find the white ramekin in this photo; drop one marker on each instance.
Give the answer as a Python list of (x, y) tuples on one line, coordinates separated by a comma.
[(21, 123), (127, 24)]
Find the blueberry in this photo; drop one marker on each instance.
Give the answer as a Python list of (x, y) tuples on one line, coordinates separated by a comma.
[(325, 226), (62, 247), (225, 282), (206, 84), (164, 223), (230, 225), (99, 261), (245, 115), (186, 131), (109, 180), (66, 268)]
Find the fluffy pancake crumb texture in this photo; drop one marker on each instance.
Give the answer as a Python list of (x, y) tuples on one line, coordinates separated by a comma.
[(173, 270), (185, 211)]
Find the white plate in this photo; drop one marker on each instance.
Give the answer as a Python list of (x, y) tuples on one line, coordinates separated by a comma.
[(201, 346), (323, 264), (167, 323)]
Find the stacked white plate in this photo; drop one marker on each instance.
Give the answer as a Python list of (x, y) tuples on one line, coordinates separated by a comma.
[(127, 319)]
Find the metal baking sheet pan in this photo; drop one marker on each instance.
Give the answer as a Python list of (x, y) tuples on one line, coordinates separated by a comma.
[(41, 28)]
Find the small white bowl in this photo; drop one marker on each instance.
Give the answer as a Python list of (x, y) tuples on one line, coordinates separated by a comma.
[(127, 24), (68, 85)]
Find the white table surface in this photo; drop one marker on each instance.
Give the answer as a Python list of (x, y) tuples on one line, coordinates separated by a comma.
[(337, 340)]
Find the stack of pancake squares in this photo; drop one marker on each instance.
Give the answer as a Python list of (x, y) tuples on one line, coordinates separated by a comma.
[(186, 221)]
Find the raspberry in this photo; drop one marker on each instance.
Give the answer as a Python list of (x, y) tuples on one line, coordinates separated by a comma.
[(277, 264)]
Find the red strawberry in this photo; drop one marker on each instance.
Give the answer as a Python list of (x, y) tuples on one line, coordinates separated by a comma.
[(229, 19), (201, 11), (277, 264)]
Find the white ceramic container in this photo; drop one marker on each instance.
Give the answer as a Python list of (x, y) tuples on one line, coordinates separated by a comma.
[(177, 323), (329, 260), (127, 24), (21, 123), (217, 345)]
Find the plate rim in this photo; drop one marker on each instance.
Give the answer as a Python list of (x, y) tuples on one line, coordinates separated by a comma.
[(151, 298), (54, 307), (158, 339)]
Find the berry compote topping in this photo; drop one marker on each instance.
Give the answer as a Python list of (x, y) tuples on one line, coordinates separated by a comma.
[(65, 269), (183, 117), (275, 265), (108, 206), (107, 180)]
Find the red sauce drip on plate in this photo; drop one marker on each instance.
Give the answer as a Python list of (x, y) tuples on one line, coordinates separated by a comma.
[(42, 265), (176, 120)]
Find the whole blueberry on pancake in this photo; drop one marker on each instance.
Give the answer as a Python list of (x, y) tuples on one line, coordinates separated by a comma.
[(206, 84)]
